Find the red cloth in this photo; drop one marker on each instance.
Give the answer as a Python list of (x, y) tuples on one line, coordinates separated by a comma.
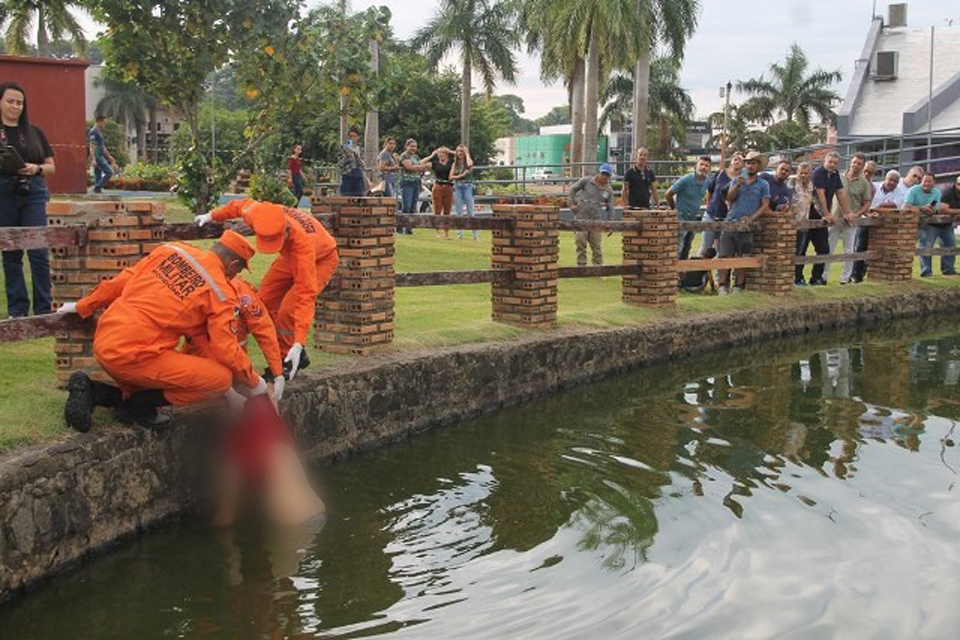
[(251, 440), (294, 165)]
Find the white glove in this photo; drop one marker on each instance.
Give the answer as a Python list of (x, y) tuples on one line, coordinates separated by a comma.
[(68, 307), (259, 389), (278, 384), (203, 218), (235, 400), (293, 357)]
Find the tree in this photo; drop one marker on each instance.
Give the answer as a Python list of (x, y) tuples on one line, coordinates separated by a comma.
[(669, 22), (483, 33), (170, 48), (128, 104), (53, 19), (557, 115), (513, 105), (791, 93)]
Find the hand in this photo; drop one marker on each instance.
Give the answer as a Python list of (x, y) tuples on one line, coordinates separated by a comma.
[(293, 357), (258, 389), (235, 400), (279, 383), (740, 180), (203, 219), (29, 169), (68, 307)]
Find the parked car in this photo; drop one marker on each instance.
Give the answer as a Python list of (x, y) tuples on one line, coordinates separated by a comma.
[(544, 175)]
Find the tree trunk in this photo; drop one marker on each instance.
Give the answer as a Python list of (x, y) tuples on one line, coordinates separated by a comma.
[(590, 99), (641, 99), (141, 142), (153, 153), (467, 90), (576, 116), (43, 40), (371, 136), (343, 118)]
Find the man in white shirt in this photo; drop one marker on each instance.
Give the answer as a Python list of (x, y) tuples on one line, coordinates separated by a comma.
[(891, 192)]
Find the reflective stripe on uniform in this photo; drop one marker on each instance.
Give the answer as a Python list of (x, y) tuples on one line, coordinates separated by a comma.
[(203, 272)]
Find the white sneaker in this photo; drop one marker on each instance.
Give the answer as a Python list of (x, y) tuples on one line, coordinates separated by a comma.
[(723, 291)]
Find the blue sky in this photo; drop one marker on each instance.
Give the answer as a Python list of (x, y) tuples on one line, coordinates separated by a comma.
[(736, 39)]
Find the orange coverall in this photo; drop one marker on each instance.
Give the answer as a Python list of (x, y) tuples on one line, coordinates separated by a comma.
[(254, 319), (176, 291), (303, 269)]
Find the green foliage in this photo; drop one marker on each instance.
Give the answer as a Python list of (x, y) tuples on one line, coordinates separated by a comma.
[(267, 187), (557, 115), (513, 105), (198, 184), (148, 172), (115, 138), (231, 139), (51, 20)]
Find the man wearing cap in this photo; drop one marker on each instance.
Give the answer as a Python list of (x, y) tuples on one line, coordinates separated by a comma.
[(592, 199), (177, 290), (748, 197), (308, 258)]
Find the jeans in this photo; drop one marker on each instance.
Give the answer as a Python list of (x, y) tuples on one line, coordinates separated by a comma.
[(849, 235), (410, 196), (948, 240), (102, 172), (389, 188), (297, 187), (820, 239), (710, 238), (353, 184), (25, 211), (863, 244), (686, 241), (463, 204)]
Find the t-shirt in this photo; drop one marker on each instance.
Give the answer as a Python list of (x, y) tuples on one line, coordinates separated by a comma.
[(386, 158), (917, 197), (351, 160), (13, 138), (689, 194), (294, 165), (405, 174), (858, 192), (639, 182), (895, 197), (459, 168), (441, 171), (717, 188), (750, 196), (950, 196), (96, 139), (780, 192), (830, 182), (593, 201)]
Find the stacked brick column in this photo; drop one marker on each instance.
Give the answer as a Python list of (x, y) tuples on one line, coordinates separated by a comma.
[(355, 314), (775, 239), (654, 248), (895, 240), (530, 250), (119, 234)]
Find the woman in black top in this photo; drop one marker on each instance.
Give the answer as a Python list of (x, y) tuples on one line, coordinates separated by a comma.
[(23, 201), (441, 162)]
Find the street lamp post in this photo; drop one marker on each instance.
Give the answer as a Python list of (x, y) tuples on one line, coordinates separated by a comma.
[(726, 116)]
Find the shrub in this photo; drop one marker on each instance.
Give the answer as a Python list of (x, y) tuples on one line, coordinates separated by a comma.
[(269, 188)]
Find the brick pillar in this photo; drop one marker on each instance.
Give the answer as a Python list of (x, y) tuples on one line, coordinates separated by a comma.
[(119, 235), (776, 239), (895, 240), (654, 247), (530, 250), (355, 313)]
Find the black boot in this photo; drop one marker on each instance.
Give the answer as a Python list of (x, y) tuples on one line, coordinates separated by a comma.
[(84, 395), (141, 408)]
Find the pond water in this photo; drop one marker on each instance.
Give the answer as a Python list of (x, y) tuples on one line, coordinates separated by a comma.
[(805, 488)]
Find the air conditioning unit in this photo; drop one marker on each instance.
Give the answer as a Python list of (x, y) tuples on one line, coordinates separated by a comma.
[(885, 65), (897, 15)]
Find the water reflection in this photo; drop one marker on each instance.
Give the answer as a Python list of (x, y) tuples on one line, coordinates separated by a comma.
[(681, 498)]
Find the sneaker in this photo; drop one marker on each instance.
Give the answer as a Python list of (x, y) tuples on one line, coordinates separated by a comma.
[(844, 282), (737, 290), (78, 411), (722, 291), (800, 283), (818, 283), (926, 275)]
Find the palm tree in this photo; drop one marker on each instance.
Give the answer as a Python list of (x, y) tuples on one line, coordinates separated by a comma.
[(669, 104), (128, 104), (483, 33), (53, 19), (741, 135), (791, 92), (669, 22)]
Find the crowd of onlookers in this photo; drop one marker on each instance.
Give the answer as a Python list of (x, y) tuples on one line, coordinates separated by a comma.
[(747, 188)]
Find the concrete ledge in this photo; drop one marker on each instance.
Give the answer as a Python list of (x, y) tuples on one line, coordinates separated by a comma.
[(62, 502)]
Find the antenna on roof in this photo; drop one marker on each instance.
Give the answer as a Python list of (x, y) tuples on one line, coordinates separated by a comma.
[(873, 15)]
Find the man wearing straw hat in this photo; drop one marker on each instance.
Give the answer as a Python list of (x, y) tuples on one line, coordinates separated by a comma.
[(748, 198)]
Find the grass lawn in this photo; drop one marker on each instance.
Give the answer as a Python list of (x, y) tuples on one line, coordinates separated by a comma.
[(425, 317)]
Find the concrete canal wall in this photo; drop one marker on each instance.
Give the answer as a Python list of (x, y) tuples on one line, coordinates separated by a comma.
[(64, 501)]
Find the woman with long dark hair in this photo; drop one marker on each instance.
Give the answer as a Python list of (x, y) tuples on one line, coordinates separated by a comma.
[(23, 200)]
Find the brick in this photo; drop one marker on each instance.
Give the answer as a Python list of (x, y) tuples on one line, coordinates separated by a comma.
[(106, 263), (112, 235)]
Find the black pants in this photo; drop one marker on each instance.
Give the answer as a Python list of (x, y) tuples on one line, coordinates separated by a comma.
[(863, 244), (820, 239)]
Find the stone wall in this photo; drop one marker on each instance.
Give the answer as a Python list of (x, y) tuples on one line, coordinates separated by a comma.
[(63, 501)]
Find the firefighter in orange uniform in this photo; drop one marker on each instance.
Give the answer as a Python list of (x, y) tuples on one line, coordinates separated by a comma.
[(177, 290), (307, 261)]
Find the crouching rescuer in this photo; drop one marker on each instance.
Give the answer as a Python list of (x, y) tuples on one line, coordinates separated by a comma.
[(177, 290)]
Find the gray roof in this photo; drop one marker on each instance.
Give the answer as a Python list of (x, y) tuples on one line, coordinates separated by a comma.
[(894, 107)]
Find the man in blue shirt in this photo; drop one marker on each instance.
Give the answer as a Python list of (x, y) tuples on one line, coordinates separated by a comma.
[(925, 199), (685, 196), (748, 197), (717, 200), (780, 191), (100, 158)]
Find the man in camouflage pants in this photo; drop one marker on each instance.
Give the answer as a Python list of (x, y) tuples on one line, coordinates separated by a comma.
[(592, 199)]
